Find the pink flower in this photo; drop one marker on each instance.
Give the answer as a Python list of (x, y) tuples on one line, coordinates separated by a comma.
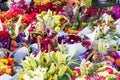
[(87, 64), (74, 78), (98, 77), (116, 9), (77, 69), (88, 78), (109, 70), (118, 77), (86, 43), (63, 13)]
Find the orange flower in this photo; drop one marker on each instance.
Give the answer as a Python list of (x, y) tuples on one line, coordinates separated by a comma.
[(10, 60), (110, 59), (117, 61)]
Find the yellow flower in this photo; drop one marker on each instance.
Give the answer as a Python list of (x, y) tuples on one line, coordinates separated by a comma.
[(116, 47), (5, 61), (57, 22), (21, 77), (1, 64), (51, 78), (57, 29), (58, 17), (40, 2)]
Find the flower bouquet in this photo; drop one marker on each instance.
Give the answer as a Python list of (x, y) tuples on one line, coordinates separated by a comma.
[(6, 65), (47, 66), (97, 71), (51, 20)]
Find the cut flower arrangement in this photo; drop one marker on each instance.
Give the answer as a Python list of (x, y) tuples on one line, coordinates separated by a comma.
[(40, 22), (47, 66), (6, 64), (97, 71)]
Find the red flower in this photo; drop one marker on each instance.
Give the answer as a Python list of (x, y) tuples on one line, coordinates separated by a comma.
[(63, 21), (9, 14), (49, 5), (91, 12), (4, 35), (46, 44), (2, 18), (58, 9)]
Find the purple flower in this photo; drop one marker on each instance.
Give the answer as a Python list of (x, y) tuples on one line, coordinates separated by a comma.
[(117, 15), (114, 54), (70, 39), (4, 43), (116, 11), (61, 39), (115, 65), (47, 30), (87, 53)]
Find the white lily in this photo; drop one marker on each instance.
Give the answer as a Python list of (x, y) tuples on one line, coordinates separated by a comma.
[(27, 31), (17, 25), (105, 17), (105, 30), (36, 75)]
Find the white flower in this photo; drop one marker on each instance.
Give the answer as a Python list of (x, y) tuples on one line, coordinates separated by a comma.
[(104, 73), (26, 77), (36, 75)]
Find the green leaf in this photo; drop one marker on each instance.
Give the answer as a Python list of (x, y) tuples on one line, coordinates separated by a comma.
[(66, 76)]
